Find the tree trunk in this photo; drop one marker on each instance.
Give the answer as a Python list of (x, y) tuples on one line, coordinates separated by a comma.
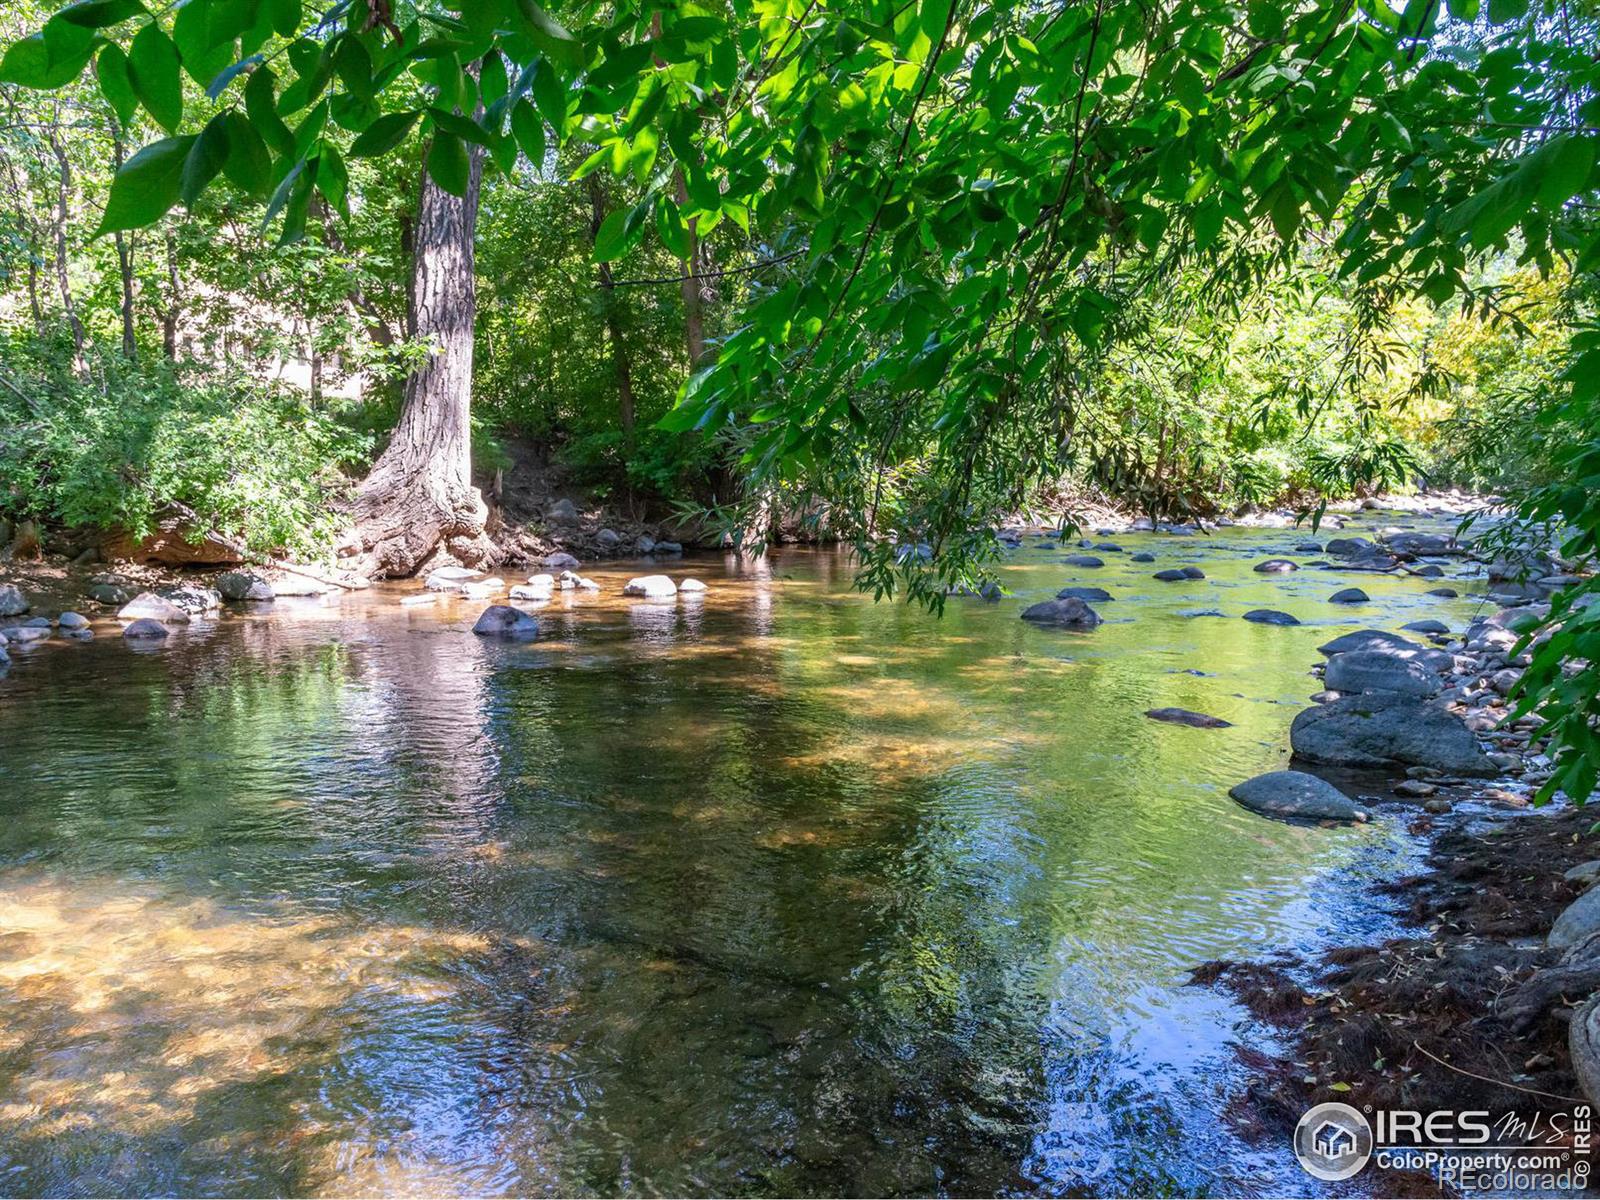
[(130, 346), (169, 314), (619, 346), (63, 214), (694, 290), (419, 498)]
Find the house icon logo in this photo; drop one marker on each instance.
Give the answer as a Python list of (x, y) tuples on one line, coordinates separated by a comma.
[(1333, 1141)]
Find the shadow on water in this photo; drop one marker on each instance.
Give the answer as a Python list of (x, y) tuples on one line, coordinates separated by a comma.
[(778, 892)]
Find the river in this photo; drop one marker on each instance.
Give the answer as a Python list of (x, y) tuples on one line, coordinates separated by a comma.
[(781, 891)]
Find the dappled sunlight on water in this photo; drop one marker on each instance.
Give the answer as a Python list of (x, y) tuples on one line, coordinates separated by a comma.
[(776, 891)]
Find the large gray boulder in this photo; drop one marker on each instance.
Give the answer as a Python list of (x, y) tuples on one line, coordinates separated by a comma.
[(147, 606), (1380, 671), (109, 593), (1297, 795), (507, 623), (1387, 730), (608, 539), (1366, 639), (559, 561), (243, 585), (1070, 613), (651, 587), (1577, 921), (12, 602)]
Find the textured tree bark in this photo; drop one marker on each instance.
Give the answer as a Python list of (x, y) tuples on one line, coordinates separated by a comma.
[(619, 346), (696, 292), (419, 503), (130, 345), (63, 215)]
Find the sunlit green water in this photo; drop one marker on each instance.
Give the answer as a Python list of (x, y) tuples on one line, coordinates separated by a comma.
[(779, 892)]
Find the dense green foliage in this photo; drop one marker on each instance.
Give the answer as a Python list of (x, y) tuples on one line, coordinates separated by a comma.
[(1191, 253)]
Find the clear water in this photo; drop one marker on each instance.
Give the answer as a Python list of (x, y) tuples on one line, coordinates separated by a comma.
[(780, 892)]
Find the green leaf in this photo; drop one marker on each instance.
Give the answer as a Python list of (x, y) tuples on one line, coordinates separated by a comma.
[(384, 134), (204, 160), (1565, 163), (249, 164), (447, 163), (97, 14), (260, 102), (550, 97), (464, 128), (285, 16), (550, 35), (1501, 11), (147, 186), (528, 129), (153, 71), (191, 31), (333, 180), (49, 59), (619, 232), (285, 188), (115, 85)]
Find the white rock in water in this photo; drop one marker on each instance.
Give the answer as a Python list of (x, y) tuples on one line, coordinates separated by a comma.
[(654, 587), (482, 589), (72, 620), (528, 594), (691, 585), (151, 607), (543, 582)]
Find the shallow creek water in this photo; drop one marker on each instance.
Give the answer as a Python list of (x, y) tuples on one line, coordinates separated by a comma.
[(781, 891)]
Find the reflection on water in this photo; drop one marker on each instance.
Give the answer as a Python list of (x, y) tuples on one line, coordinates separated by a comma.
[(780, 891)]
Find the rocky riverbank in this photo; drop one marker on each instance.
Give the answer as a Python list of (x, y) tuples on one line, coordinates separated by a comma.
[(1493, 1003)]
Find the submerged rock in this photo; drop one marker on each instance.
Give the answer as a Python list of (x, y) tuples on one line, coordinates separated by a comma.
[(510, 624), (1270, 616), (1295, 794), (652, 587), (1386, 729), (145, 629), (1276, 566), (1083, 560), (1423, 543), (1144, 556), (1349, 596), (1185, 716), (1193, 573), (1349, 547), (1448, 593), (1087, 594), (1068, 613), (1172, 575)]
